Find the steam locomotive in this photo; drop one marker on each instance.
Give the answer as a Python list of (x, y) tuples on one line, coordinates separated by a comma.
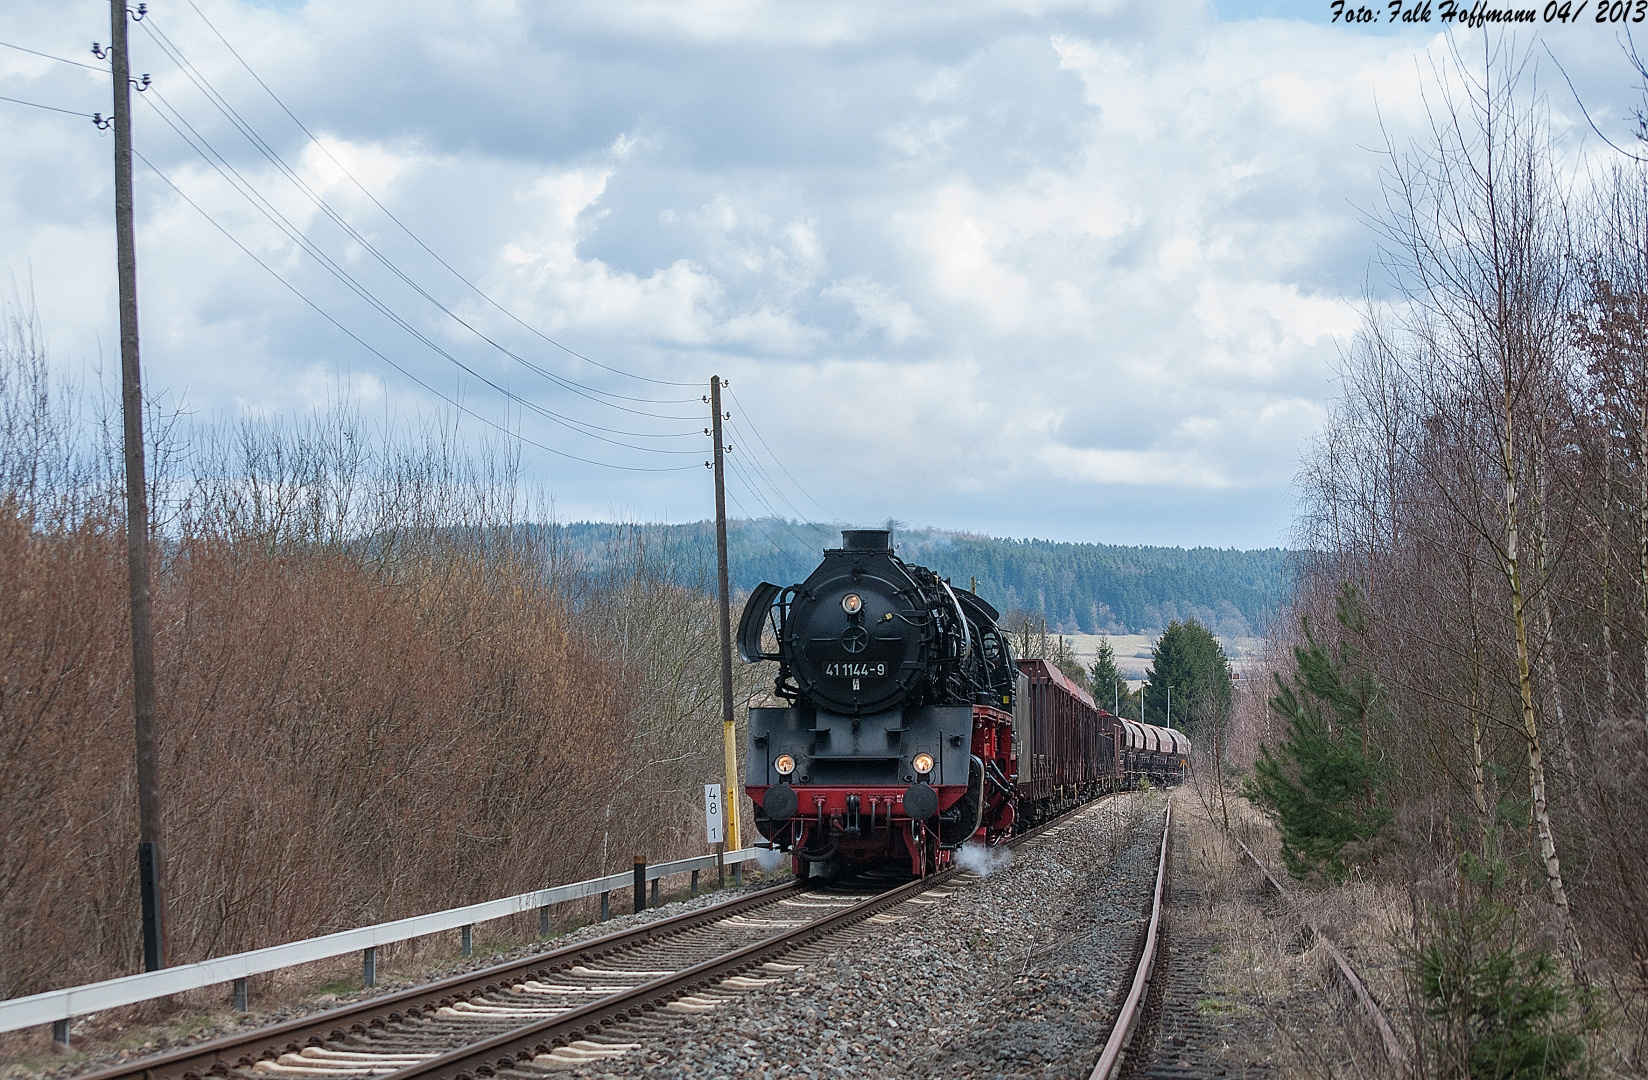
[(908, 728)]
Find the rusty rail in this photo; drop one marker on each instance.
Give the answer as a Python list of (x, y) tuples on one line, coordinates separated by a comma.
[(1376, 1015), (1110, 1058)]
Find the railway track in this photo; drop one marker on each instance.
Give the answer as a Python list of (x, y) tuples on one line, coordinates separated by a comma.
[(466, 1007), (549, 1011)]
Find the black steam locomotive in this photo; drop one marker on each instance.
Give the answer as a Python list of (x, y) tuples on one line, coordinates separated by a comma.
[(905, 717)]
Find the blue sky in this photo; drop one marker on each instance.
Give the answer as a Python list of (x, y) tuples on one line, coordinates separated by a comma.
[(1076, 270)]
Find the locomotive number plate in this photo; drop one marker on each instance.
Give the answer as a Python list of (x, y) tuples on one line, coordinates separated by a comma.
[(849, 671)]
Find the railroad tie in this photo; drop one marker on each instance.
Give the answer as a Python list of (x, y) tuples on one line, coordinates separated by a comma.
[(471, 1010), (533, 986), (581, 1051), (408, 1057), (833, 905), (739, 922), (581, 970)]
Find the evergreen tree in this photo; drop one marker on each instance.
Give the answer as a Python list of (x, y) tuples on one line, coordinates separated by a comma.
[(1323, 786), (1109, 688), (1495, 1006), (1190, 660)]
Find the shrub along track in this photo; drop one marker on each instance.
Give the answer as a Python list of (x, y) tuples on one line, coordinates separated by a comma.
[(545, 1009)]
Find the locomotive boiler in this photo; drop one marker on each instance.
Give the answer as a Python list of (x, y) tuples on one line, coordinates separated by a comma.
[(908, 729), (897, 734)]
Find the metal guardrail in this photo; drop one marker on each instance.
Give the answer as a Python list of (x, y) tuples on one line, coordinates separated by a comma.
[(59, 1006)]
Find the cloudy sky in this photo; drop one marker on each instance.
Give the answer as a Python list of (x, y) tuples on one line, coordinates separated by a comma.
[(1061, 268)]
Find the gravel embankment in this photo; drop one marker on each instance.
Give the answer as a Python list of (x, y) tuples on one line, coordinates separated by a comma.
[(1017, 974)]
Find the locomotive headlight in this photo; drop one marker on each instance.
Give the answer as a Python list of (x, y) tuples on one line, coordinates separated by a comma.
[(852, 603), (785, 764), (922, 763)]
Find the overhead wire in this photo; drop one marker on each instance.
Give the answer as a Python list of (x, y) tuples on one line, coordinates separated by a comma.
[(779, 548), (247, 190), (187, 68), (220, 164), (48, 108), (59, 59), (775, 459), (772, 514), (323, 313), (755, 463), (417, 240)]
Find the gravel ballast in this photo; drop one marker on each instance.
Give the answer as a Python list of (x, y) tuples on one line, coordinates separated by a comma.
[(1015, 974)]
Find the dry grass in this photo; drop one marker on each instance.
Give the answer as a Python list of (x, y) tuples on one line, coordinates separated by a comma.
[(380, 694), (1288, 979), (1265, 960)]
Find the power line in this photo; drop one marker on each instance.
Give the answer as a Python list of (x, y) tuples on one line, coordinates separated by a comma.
[(59, 59), (274, 158), (415, 239), (756, 493), (375, 352), (755, 463), (260, 203), (48, 108), (748, 419), (753, 520)]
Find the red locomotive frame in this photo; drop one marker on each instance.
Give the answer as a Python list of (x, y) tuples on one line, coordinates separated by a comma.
[(1056, 749)]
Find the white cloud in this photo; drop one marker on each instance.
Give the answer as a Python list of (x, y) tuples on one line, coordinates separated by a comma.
[(998, 265)]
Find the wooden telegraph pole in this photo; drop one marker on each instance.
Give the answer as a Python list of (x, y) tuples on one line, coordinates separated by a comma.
[(728, 728), (151, 825)]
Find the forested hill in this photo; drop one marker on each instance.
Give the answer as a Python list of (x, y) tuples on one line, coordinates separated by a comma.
[(1079, 588)]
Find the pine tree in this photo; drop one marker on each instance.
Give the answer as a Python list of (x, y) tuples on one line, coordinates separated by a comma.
[(1323, 786), (1190, 660), (1109, 688)]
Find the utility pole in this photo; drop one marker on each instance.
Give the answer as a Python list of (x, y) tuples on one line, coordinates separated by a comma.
[(151, 824), (1170, 706), (728, 728)]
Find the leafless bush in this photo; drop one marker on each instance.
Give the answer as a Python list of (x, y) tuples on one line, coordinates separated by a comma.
[(1484, 482), (381, 693)]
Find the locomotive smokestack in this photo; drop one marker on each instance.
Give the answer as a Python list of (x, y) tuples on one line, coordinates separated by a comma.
[(866, 539)]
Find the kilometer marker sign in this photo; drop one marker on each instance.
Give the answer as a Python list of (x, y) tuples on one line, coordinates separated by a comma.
[(712, 812)]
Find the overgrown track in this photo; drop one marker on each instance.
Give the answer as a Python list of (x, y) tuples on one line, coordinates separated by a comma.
[(1395, 1053)]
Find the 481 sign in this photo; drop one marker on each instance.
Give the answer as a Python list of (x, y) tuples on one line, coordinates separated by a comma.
[(713, 816)]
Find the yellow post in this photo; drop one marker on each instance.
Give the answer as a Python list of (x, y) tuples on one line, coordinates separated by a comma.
[(729, 727), (729, 802)]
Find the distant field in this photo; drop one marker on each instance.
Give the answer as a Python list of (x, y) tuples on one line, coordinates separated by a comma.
[(1133, 651)]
